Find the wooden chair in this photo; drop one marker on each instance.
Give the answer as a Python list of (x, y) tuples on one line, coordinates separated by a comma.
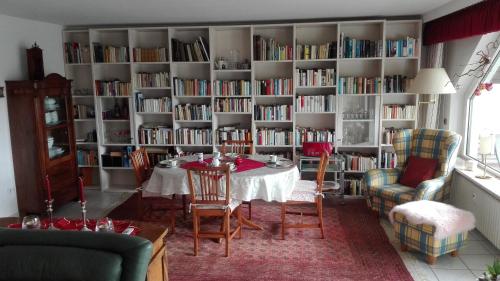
[(147, 205), (212, 199), (240, 147), (307, 192)]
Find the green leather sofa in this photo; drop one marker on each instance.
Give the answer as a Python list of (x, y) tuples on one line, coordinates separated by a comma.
[(41, 255)]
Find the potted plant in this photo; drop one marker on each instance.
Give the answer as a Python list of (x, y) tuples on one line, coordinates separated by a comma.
[(493, 272)]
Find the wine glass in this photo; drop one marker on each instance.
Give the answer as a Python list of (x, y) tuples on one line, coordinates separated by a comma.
[(104, 225), (31, 222)]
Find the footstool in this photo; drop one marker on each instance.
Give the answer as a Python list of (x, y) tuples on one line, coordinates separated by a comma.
[(432, 228)]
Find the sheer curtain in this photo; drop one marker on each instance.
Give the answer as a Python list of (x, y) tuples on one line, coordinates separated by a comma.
[(428, 113)]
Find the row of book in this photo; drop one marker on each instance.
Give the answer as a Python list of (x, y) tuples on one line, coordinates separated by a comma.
[(274, 136), (159, 54), (118, 158), (163, 104), (315, 77), (359, 85), (232, 133), (232, 88), (358, 48), (388, 134), (315, 103), (199, 50), (155, 134), (362, 163), (388, 160), (199, 136), (396, 84), (274, 87), (354, 187), (75, 52), (406, 47), (112, 88), (110, 54), (193, 112), (233, 105), (191, 87), (399, 111), (87, 157), (313, 52), (270, 49), (313, 135), (152, 80), (277, 112)]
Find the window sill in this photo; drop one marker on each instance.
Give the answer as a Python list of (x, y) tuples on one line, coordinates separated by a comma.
[(492, 185)]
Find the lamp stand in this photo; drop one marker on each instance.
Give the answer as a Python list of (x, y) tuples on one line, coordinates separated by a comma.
[(484, 176)]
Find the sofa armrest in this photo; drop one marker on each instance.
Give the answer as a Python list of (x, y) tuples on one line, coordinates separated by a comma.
[(428, 189), (381, 177)]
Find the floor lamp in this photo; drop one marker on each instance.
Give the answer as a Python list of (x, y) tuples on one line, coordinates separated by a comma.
[(431, 81)]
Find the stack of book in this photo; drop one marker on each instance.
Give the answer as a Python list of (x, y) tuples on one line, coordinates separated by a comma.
[(74, 52), (399, 111), (198, 136), (388, 160), (112, 88), (354, 187), (274, 87), (315, 103), (396, 83), (406, 47), (233, 105), (315, 77), (83, 111), (163, 104), (359, 85), (232, 88), (388, 134), (360, 163), (269, 49), (159, 54), (314, 135), (313, 52), (191, 87), (155, 134), (86, 157), (274, 112), (274, 136), (152, 80), (197, 51), (358, 48), (193, 112), (110, 54), (232, 133)]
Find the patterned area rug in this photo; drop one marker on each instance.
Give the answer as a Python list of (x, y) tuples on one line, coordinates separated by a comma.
[(356, 248)]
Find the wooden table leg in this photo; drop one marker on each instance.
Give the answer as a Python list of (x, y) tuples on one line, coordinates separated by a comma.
[(431, 260), (250, 223)]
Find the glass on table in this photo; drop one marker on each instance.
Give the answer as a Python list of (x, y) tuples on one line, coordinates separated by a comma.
[(104, 225), (31, 222)]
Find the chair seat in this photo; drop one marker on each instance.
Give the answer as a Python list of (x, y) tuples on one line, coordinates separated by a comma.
[(304, 191), (233, 204), (394, 192)]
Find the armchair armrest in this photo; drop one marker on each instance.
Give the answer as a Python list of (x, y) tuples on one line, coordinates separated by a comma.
[(428, 189), (381, 177)]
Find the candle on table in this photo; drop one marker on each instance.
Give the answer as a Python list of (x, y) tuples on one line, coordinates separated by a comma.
[(485, 144), (82, 193), (49, 189)]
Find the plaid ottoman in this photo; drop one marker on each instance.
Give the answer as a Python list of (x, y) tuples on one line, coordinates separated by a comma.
[(421, 237)]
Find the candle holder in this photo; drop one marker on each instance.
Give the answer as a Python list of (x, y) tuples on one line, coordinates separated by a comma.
[(84, 216), (484, 176), (50, 211)]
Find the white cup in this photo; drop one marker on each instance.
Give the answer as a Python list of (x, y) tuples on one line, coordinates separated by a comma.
[(216, 154), (200, 157), (215, 162), (273, 158), (48, 117)]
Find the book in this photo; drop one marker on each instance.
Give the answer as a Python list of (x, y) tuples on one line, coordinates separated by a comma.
[(112, 88), (274, 112), (399, 111), (199, 50), (233, 105), (359, 85), (110, 54), (193, 112), (274, 87), (315, 103), (191, 87), (311, 52), (270, 49), (274, 136), (159, 54), (314, 135), (232, 88), (152, 80), (74, 52), (359, 48), (199, 136), (151, 133), (315, 77), (163, 104)]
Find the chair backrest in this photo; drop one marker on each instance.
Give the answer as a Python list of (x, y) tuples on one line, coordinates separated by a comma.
[(237, 146), (428, 143), (320, 175), (140, 162), (209, 185), (40, 255)]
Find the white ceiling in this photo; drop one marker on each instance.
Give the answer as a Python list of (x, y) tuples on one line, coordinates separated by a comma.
[(103, 12)]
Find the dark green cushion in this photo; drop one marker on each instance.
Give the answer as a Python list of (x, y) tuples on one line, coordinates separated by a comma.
[(69, 255)]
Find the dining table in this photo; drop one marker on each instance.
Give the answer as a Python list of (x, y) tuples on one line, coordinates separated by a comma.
[(254, 179)]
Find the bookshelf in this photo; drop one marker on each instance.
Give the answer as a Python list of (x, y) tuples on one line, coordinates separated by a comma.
[(346, 101)]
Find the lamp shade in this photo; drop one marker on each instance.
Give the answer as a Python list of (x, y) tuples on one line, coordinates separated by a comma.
[(430, 81)]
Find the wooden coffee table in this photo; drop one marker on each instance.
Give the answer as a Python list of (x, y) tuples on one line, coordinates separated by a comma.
[(154, 232)]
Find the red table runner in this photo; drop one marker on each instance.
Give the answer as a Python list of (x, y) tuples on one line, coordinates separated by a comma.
[(66, 224), (245, 165)]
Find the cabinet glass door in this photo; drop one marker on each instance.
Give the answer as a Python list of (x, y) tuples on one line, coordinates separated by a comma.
[(56, 126), (359, 119)]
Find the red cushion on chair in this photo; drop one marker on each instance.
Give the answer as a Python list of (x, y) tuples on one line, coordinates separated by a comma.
[(314, 149), (418, 170)]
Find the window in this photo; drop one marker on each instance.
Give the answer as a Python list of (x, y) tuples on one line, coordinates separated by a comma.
[(484, 116)]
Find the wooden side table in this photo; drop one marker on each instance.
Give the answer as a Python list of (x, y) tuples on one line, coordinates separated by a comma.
[(154, 232)]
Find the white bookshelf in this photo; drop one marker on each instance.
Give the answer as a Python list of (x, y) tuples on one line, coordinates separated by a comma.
[(235, 42)]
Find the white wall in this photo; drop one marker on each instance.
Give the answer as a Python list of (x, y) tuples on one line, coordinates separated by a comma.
[(16, 36)]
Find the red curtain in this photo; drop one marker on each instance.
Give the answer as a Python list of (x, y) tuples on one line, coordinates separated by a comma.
[(480, 18)]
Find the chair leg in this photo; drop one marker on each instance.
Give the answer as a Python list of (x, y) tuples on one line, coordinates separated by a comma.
[(454, 253), (184, 205), (320, 215), (240, 223), (250, 210), (172, 221), (195, 232), (227, 230), (283, 215)]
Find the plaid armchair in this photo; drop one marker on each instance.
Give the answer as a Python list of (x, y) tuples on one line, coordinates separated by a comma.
[(382, 188)]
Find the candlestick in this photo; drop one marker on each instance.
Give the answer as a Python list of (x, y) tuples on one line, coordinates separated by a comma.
[(82, 193), (49, 189), (49, 212), (84, 216), (484, 176)]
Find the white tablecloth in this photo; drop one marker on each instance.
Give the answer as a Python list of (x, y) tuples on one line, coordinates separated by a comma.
[(264, 183)]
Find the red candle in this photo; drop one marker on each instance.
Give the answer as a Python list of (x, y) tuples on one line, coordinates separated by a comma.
[(82, 193), (47, 186)]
